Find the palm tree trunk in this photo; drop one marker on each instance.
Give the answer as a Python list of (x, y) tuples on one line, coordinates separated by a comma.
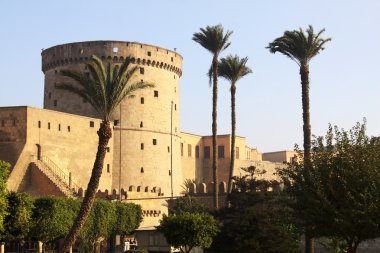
[(105, 135), (214, 128), (233, 128), (304, 72)]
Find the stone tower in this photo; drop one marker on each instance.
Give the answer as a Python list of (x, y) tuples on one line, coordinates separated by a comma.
[(146, 141)]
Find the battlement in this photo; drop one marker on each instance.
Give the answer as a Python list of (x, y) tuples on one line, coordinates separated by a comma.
[(131, 192), (116, 51), (206, 188)]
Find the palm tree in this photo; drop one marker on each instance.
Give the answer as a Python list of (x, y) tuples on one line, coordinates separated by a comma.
[(233, 68), (301, 48), (215, 41), (104, 88)]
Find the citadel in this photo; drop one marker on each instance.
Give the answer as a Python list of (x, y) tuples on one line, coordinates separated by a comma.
[(52, 150)]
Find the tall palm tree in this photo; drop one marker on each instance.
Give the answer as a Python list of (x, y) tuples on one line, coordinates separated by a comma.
[(233, 68), (301, 48), (103, 89), (215, 41)]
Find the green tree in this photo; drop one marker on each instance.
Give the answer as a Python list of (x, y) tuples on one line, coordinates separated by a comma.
[(104, 89), (129, 216), (18, 220), (99, 225), (52, 217), (301, 48), (233, 69), (4, 172), (338, 196), (188, 230), (215, 41), (256, 221)]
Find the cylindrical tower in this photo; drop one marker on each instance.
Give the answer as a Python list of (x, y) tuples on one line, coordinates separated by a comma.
[(146, 126)]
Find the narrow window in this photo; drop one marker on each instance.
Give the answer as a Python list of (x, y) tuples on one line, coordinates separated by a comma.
[(141, 46), (55, 103), (220, 151), (175, 107), (116, 122), (207, 152), (141, 124), (68, 129), (39, 124), (49, 125), (108, 149), (142, 71), (59, 127), (92, 124), (154, 141), (149, 53), (175, 89), (168, 149), (189, 150), (172, 59), (14, 122), (142, 146), (237, 152), (156, 93), (108, 168), (181, 149), (49, 95), (142, 100), (197, 151), (142, 170)]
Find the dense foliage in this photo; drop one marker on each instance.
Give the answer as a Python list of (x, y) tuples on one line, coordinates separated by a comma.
[(18, 220), (188, 230), (186, 204), (339, 195), (4, 172), (256, 220)]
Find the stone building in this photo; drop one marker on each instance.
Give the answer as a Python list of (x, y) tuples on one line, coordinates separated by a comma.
[(52, 149)]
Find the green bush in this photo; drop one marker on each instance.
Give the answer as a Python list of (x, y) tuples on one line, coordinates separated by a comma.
[(137, 251)]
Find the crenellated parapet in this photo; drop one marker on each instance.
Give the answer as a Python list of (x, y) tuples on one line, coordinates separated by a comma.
[(139, 192), (206, 188), (115, 51)]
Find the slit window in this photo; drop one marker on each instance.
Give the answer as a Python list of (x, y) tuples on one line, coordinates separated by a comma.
[(154, 141), (175, 107), (142, 100), (49, 125), (116, 122), (14, 122), (181, 149), (141, 124), (149, 53), (39, 124), (207, 152), (237, 153), (156, 93), (142, 146), (142, 170), (68, 128), (59, 127), (92, 124), (220, 151), (168, 149), (189, 150), (196, 151), (172, 59), (142, 71), (108, 168), (49, 95)]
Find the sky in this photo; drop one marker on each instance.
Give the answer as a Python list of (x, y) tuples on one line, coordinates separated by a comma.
[(344, 78)]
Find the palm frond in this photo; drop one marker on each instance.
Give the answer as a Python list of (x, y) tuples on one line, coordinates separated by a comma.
[(105, 86)]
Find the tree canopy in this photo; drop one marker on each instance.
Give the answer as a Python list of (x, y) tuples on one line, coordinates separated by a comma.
[(4, 172), (188, 230), (339, 195)]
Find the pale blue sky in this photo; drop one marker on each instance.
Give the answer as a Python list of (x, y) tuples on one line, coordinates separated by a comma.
[(345, 78)]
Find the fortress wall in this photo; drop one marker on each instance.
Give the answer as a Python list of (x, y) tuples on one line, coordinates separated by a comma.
[(70, 143), (191, 164), (151, 114), (279, 156)]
